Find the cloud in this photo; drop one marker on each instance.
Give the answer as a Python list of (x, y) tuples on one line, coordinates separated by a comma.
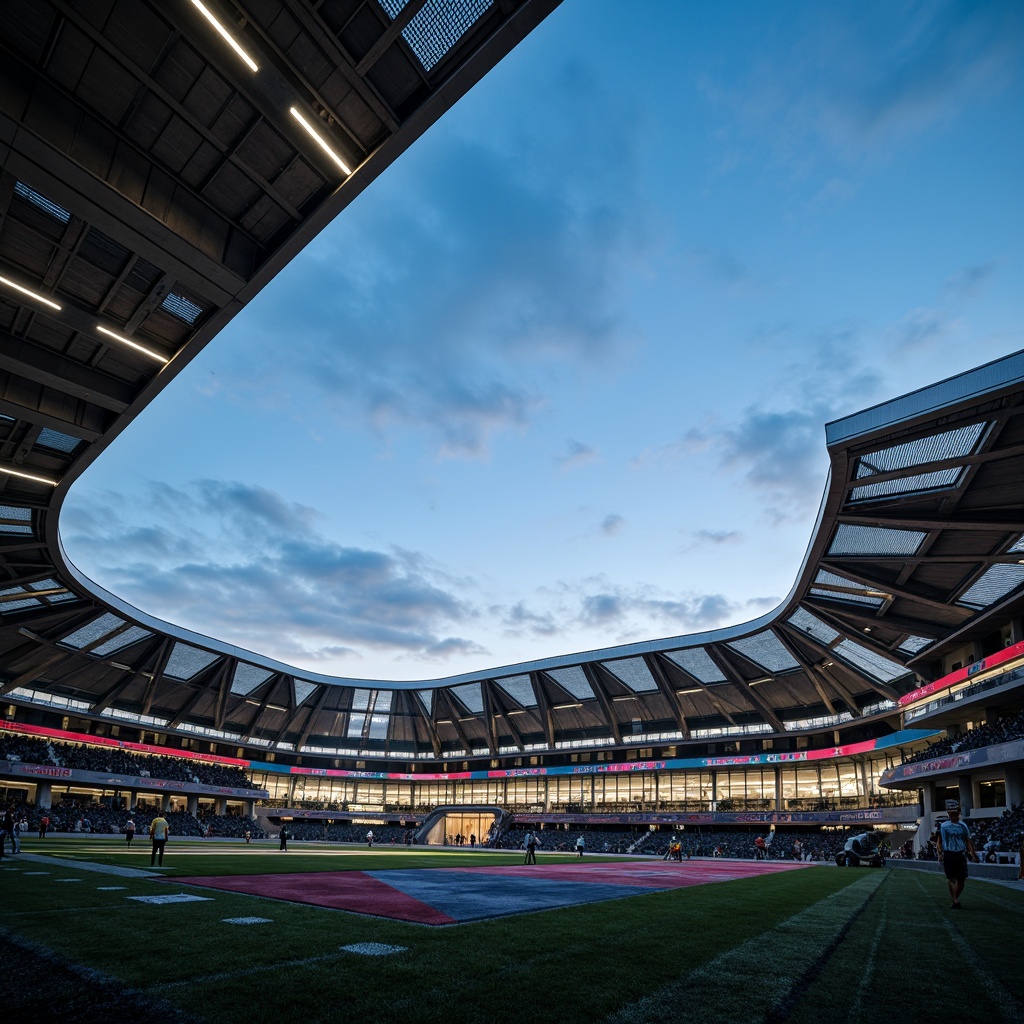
[(578, 454), (487, 280), (264, 561), (612, 524), (922, 329), (967, 282), (857, 84), (719, 536), (632, 610)]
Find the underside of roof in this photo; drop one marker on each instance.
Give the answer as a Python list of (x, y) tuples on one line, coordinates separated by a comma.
[(153, 182)]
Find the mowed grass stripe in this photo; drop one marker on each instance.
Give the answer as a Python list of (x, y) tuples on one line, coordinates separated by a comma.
[(746, 984), (1009, 1006), (917, 963)]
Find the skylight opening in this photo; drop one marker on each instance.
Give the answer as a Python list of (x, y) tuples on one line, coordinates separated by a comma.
[(765, 649), (470, 696), (247, 677), (875, 540), (44, 204), (520, 689), (939, 480), (186, 662), (303, 688), (180, 307), (573, 680), (913, 644), (57, 441), (14, 519), (810, 624), (952, 444), (93, 631), (633, 672), (438, 26), (118, 643), (870, 662), (995, 583), (698, 663)]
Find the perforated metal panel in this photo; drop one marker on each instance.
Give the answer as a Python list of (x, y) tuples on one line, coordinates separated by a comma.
[(121, 641), (938, 480), (471, 696), (520, 689), (438, 26), (633, 672), (303, 688), (875, 540), (766, 650), (187, 661), (810, 624), (950, 444), (22, 517), (573, 680), (913, 644), (870, 662), (995, 583), (698, 663), (247, 677), (427, 696), (93, 631)]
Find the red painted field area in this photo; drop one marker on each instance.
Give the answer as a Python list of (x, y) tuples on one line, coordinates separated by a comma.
[(454, 895)]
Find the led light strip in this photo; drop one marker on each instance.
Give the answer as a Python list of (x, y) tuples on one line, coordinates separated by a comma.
[(27, 476), (225, 35), (133, 344), (32, 295), (319, 141)]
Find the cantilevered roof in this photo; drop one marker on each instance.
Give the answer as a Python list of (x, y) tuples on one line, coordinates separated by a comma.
[(153, 182)]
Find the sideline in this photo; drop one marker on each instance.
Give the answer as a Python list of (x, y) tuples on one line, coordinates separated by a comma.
[(86, 865)]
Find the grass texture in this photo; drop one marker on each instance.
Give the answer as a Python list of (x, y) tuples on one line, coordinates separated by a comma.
[(820, 944)]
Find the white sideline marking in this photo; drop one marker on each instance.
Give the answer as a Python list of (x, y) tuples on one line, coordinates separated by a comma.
[(37, 872), (181, 897), (248, 920), (111, 888), (67, 879), (373, 948)]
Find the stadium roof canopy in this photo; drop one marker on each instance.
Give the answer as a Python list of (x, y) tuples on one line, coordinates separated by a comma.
[(162, 161)]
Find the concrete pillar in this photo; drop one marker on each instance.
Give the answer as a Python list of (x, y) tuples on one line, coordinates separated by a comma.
[(133, 799), (165, 801), (192, 804), (778, 789), (1014, 786), (966, 785), (249, 806), (714, 791), (44, 795), (220, 804)]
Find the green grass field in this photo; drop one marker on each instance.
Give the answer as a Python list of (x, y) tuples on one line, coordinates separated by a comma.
[(819, 945)]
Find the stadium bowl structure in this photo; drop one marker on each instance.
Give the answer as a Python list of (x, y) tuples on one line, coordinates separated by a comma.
[(153, 183)]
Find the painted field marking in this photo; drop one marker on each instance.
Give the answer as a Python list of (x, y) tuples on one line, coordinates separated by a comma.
[(37, 872), (67, 879), (111, 888), (373, 948), (247, 920), (181, 897)]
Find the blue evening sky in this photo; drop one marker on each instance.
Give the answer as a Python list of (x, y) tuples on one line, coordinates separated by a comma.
[(558, 379)]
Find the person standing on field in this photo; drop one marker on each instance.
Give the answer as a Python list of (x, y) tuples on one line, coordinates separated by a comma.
[(954, 846), (159, 832)]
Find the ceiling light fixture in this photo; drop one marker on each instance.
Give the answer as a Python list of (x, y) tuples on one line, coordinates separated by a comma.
[(692, 689), (133, 344), (563, 707), (31, 294), (224, 34), (27, 476), (624, 698), (319, 141)]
